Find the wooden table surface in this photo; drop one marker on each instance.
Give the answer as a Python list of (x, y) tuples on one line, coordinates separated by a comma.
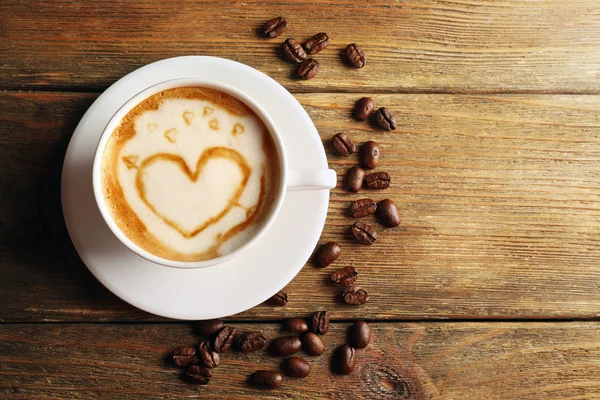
[(490, 287)]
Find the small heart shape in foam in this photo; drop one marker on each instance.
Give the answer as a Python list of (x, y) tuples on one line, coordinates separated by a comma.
[(191, 201)]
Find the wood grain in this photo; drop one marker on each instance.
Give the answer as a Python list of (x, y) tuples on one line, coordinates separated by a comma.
[(499, 196), (404, 361), (434, 46)]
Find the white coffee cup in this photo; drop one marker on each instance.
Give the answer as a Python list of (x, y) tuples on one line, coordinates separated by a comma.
[(290, 180)]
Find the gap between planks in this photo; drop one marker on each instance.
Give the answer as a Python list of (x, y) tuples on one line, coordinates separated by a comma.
[(556, 321), (96, 91)]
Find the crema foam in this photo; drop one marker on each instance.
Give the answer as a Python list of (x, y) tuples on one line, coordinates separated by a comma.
[(190, 174)]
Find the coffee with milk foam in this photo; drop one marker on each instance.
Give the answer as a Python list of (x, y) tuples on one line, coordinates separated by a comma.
[(190, 174)]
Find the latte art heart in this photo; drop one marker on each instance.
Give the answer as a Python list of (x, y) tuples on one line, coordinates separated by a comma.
[(190, 174), (190, 201)]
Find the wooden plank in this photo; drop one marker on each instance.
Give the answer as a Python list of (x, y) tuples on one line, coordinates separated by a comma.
[(499, 195), (442, 46), (450, 361)]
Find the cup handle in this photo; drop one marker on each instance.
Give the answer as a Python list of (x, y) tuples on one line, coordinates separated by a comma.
[(311, 179)]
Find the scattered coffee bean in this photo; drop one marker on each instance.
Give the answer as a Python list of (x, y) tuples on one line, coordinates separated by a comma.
[(320, 322), (209, 358), (363, 108), (198, 374), (344, 277), (369, 154), (279, 299), (266, 379), (225, 338), (355, 55), (312, 344), (249, 342), (308, 69), (316, 43), (286, 346), (385, 119), (343, 144), (344, 359), (328, 253), (363, 207), (209, 327), (295, 367), (388, 213), (378, 180), (354, 179), (364, 233), (296, 325), (184, 356), (293, 50), (354, 296), (275, 27), (359, 335)]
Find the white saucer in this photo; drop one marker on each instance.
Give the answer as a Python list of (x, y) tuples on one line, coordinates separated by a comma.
[(210, 292)]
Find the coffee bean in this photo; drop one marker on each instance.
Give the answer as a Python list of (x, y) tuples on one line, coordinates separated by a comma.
[(344, 276), (359, 335), (206, 354), (275, 27), (388, 213), (363, 207), (225, 338), (343, 144), (308, 69), (198, 374), (363, 108), (295, 367), (378, 180), (249, 342), (293, 50), (385, 119), (320, 322), (328, 253), (354, 296), (355, 55), (364, 233), (369, 154), (344, 359), (296, 325), (286, 346), (312, 344), (184, 356), (354, 179), (316, 43), (279, 299), (266, 379), (209, 327)]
